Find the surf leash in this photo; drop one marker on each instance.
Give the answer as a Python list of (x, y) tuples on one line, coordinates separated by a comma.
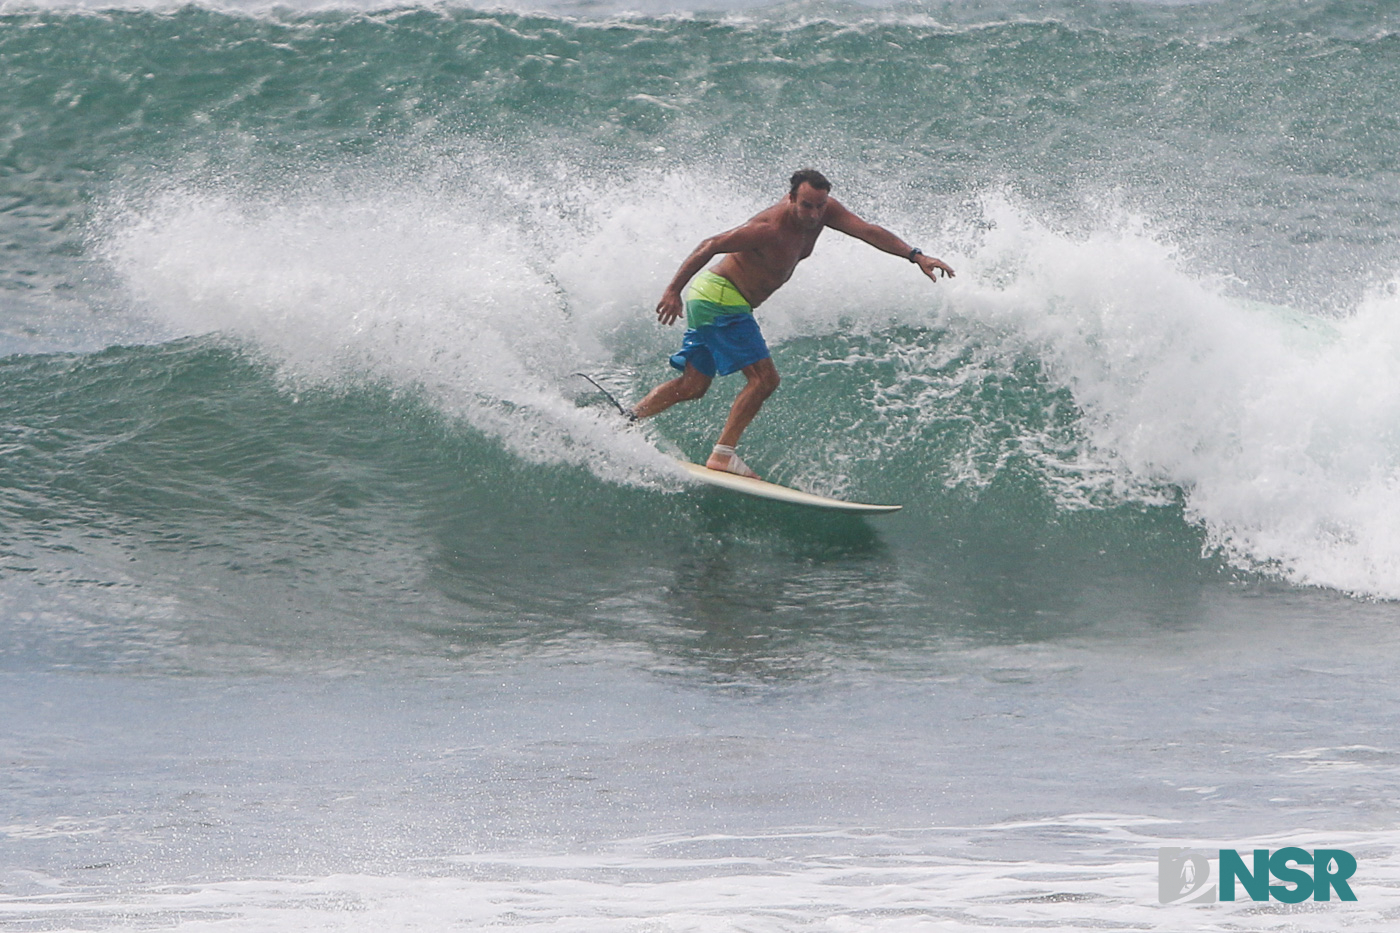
[(620, 410)]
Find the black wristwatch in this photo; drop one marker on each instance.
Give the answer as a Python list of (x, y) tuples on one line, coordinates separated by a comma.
[(915, 252)]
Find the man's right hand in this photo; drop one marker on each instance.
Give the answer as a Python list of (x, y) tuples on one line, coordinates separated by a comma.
[(669, 308)]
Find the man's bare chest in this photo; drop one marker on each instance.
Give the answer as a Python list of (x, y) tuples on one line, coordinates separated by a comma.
[(786, 252)]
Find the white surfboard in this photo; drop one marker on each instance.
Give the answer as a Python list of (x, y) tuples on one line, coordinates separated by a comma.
[(766, 490), (750, 486)]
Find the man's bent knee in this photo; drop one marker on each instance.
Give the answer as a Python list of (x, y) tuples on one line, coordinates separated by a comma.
[(764, 375), (693, 384)]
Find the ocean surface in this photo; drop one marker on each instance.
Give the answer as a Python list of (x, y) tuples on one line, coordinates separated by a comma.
[(330, 599)]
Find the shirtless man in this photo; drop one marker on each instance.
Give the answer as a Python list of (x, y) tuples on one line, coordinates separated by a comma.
[(722, 336)]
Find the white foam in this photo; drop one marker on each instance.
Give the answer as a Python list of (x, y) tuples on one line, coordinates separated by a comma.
[(1093, 871), (445, 298), (1278, 425)]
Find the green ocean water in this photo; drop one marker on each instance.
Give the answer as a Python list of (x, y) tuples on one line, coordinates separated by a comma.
[(159, 163), (331, 598)]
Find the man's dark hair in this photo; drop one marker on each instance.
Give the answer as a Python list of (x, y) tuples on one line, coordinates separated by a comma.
[(809, 175)]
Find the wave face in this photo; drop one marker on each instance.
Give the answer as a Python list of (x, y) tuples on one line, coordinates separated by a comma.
[(276, 276)]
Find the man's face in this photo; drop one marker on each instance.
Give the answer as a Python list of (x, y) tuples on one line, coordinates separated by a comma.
[(809, 205)]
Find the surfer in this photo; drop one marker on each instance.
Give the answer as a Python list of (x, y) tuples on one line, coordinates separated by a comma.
[(721, 335)]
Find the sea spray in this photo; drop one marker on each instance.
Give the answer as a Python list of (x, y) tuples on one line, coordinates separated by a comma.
[(441, 300), (1274, 422)]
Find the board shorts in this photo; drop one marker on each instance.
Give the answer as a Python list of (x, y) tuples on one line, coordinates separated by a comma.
[(721, 333)]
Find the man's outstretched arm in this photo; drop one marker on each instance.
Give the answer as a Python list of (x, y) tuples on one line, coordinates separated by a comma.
[(839, 218)]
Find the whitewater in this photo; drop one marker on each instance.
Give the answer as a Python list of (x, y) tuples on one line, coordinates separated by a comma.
[(331, 598)]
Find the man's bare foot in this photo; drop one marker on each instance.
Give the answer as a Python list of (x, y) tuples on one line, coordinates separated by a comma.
[(725, 460)]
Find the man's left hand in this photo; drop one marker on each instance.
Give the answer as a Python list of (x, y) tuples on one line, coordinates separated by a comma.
[(931, 266)]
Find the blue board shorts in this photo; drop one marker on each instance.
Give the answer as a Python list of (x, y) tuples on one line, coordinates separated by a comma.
[(723, 336), (725, 346)]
